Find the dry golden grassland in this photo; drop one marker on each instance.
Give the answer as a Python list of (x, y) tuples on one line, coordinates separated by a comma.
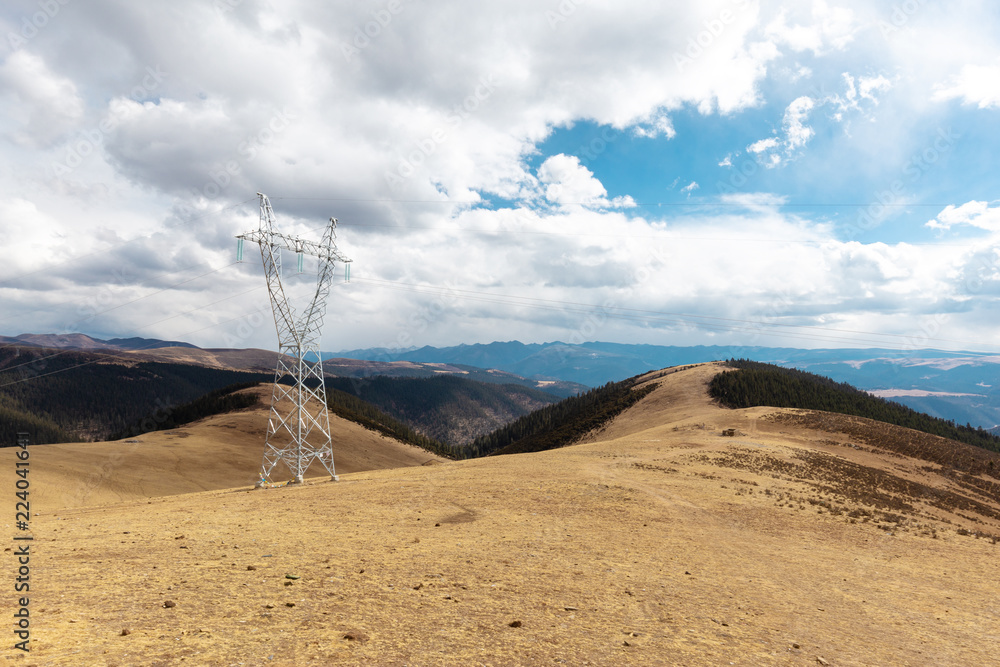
[(657, 541)]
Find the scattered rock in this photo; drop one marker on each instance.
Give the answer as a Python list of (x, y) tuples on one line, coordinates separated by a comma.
[(796, 646), (436, 525), (625, 643), (289, 604), (821, 661), (686, 572), (169, 603), (515, 624), (418, 587), (571, 608), (125, 632), (288, 583), (292, 576), (251, 567), (269, 606)]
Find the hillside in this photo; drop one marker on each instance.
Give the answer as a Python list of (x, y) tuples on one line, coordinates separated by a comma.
[(92, 395), (451, 409), (960, 386), (800, 538), (217, 452), (753, 383), (40, 392)]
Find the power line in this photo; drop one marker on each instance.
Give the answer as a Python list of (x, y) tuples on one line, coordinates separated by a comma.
[(119, 356), (704, 321), (684, 204), (49, 267), (160, 291)]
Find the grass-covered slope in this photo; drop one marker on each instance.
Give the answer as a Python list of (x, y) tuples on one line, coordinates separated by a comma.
[(214, 402), (560, 424), (92, 396), (757, 384), (354, 409)]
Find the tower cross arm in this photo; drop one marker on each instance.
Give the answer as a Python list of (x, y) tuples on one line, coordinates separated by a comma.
[(295, 244)]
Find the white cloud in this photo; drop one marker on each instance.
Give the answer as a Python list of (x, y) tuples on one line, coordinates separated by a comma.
[(797, 134), (690, 187), (763, 145), (820, 30), (567, 182), (452, 103), (973, 213), (975, 84), (660, 125), (45, 105), (856, 93)]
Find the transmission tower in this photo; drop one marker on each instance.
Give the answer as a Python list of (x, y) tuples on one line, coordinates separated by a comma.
[(297, 435)]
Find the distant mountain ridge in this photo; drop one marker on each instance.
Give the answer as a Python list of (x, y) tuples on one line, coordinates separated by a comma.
[(79, 341), (956, 385)]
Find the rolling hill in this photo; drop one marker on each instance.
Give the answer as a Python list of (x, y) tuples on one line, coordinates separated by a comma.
[(679, 532), (218, 452), (955, 385)]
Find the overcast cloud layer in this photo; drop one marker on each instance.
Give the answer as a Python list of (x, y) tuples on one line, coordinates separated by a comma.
[(713, 172)]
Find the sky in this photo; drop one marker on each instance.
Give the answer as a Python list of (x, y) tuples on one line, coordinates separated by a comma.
[(728, 172)]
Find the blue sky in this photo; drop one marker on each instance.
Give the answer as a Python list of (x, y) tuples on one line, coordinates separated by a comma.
[(723, 172)]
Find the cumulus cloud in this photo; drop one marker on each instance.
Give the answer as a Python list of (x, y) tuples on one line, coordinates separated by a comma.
[(974, 213), (47, 104), (658, 126), (818, 28), (975, 84), (421, 133), (568, 182), (797, 133)]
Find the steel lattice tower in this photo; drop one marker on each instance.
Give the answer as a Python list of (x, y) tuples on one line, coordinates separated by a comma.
[(300, 435)]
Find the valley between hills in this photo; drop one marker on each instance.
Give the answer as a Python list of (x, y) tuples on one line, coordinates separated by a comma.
[(680, 533)]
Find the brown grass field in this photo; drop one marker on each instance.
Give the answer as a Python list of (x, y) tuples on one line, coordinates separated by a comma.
[(802, 539)]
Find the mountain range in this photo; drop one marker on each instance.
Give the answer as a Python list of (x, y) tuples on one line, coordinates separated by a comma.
[(956, 385), (960, 386)]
